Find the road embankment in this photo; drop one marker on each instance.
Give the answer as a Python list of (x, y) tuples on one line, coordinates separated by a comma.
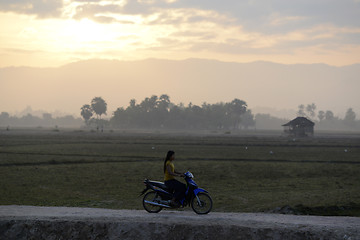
[(28, 222)]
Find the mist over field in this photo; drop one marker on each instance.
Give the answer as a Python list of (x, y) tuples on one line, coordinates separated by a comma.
[(266, 87)]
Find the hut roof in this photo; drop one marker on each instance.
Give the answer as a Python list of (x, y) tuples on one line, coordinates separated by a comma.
[(300, 121)]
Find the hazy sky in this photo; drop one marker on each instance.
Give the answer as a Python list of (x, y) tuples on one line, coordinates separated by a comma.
[(55, 32)]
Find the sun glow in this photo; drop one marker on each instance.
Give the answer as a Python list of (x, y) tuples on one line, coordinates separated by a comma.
[(85, 30), (127, 30)]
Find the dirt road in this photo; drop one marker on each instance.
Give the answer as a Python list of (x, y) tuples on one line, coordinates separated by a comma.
[(28, 222)]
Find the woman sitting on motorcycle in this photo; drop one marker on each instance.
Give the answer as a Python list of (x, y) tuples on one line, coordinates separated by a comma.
[(169, 179)]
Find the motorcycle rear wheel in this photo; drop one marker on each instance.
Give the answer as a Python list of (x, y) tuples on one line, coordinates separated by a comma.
[(203, 206), (151, 197)]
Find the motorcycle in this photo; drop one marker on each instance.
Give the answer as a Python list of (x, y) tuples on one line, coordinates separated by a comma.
[(160, 196)]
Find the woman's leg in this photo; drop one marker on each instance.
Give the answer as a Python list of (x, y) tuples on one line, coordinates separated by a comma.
[(177, 188), (180, 190)]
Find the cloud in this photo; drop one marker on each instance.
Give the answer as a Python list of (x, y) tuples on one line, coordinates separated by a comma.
[(40, 8), (273, 23), (203, 35), (92, 11), (268, 18), (277, 19), (253, 15), (233, 40), (227, 27), (21, 51)]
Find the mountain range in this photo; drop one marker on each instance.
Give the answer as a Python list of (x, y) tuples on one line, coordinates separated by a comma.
[(265, 86)]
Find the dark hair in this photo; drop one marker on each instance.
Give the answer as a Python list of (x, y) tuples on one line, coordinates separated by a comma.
[(168, 156)]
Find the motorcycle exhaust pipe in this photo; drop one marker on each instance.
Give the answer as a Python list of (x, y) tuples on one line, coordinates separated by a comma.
[(157, 204)]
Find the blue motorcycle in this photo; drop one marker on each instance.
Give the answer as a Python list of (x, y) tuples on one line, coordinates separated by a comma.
[(160, 196)]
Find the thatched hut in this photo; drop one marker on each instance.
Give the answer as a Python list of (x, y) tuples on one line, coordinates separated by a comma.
[(299, 127)]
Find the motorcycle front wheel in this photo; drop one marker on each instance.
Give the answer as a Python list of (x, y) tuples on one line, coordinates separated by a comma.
[(202, 203), (151, 197)]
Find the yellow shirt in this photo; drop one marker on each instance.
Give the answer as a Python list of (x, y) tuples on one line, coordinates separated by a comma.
[(167, 175)]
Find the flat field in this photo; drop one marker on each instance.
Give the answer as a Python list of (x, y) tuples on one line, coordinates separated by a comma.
[(249, 172)]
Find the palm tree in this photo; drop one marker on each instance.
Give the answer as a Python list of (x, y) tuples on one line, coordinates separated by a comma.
[(86, 113), (99, 106)]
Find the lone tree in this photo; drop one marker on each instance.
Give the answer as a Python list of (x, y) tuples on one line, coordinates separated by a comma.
[(99, 106), (86, 112), (350, 115)]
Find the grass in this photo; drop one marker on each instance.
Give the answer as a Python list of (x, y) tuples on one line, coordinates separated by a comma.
[(72, 168)]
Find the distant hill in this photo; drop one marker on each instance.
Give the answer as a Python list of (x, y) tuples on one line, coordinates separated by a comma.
[(260, 84)]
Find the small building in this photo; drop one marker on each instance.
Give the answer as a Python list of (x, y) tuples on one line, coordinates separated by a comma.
[(299, 127)]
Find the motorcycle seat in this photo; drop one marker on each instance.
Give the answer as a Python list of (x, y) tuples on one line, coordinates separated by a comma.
[(159, 184)]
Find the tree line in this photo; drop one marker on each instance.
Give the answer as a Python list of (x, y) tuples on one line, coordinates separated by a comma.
[(309, 111), (160, 112), (326, 119), (47, 120)]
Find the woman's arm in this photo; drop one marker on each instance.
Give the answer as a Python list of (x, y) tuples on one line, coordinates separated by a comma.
[(176, 174), (180, 174)]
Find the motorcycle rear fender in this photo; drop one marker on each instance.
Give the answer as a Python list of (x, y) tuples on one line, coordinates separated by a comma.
[(199, 190), (159, 190)]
